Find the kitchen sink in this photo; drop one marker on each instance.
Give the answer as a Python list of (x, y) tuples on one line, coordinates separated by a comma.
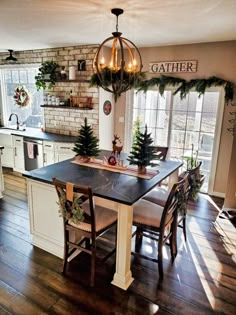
[(8, 130)]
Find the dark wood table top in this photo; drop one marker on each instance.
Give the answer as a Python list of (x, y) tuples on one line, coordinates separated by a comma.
[(118, 187)]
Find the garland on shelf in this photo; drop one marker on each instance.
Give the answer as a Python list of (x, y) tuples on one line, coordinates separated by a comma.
[(22, 96), (184, 87)]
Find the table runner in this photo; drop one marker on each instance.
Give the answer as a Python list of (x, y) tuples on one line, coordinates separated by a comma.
[(129, 170)]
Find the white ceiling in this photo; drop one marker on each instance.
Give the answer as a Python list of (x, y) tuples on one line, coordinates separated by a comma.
[(35, 24)]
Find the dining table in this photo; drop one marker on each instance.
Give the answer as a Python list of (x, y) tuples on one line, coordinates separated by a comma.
[(114, 189)]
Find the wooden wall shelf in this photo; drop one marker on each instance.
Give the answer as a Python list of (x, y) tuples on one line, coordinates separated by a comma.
[(66, 107), (70, 81)]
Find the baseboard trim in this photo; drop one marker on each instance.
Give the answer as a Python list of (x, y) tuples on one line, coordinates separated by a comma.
[(217, 194)]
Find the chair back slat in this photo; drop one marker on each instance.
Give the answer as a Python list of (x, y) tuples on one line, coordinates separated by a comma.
[(160, 152), (172, 202)]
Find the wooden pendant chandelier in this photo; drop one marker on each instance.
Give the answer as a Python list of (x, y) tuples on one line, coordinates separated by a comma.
[(122, 71)]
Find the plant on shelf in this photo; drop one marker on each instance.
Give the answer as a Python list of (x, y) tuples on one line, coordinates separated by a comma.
[(47, 75), (86, 145), (142, 153)]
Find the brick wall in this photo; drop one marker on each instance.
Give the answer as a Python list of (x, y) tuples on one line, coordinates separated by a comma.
[(62, 120)]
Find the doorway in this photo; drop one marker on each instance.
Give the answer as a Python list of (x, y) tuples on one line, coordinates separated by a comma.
[(184, 125)]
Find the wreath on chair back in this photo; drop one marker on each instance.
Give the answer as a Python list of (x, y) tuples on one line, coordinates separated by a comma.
[(22, 96), (70, 210)]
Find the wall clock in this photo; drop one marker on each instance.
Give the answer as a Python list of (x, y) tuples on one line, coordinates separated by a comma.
[(107, 107)]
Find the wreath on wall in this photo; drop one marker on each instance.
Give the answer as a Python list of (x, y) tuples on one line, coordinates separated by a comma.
[(22, 97), (184, 87)]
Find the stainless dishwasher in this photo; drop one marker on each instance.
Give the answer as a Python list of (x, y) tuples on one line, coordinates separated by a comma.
[(33, 159)]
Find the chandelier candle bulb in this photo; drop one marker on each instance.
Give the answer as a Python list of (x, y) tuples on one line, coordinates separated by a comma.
[(102, 62)]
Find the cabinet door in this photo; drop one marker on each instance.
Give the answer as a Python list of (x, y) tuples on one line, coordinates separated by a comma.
[(7, 157), (48, 153), (64, 151), (1, 176), (19, 159)]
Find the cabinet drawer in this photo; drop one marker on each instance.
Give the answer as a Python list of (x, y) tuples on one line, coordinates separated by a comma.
[(18, 141), (64, 147), (48, 146)]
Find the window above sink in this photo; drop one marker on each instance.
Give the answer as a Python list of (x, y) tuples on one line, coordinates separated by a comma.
[(11, 78)]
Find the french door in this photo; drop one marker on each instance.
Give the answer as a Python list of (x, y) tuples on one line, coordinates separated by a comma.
[(181, 124)]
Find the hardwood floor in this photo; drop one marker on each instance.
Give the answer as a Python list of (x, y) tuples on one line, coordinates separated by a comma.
[(202, 280)]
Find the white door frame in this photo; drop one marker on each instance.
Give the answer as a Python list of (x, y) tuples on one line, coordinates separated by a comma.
[(216, 142)]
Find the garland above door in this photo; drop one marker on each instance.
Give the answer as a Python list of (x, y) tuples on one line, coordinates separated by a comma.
[(184, 86)]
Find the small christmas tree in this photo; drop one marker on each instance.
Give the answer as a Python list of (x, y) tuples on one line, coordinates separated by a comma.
[(86, 144), (142, 152)]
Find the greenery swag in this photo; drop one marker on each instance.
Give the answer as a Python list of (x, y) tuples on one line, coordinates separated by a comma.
[(70, 210), (184, 87), (113, 78)]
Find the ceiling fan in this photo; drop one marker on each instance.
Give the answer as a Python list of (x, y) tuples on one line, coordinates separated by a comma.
[(10, 57)]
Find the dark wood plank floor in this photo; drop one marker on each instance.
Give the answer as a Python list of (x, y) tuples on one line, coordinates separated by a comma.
[(202, 279)]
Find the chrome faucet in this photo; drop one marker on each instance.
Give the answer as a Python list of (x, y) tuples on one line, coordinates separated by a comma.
[(17, 120)]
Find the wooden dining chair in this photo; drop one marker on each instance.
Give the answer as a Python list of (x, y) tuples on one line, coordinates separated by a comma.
[(89, 223), (159, 196), (160, 152), (157, 223)]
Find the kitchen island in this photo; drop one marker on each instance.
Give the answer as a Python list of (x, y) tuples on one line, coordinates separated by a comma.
[(114, 190)]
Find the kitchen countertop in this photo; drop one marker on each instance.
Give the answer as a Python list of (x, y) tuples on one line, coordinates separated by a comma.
[(105, 184), (38, 134)]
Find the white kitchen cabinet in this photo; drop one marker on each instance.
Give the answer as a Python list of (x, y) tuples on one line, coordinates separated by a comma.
[(63, 151), (1, 175), (7, 155), (48, 153), (19, 159)]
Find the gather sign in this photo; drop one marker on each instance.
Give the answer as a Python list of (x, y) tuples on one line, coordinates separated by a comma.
[(173, 66)]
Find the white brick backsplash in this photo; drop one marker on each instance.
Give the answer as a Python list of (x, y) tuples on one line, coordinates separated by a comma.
[(69, 119), (62, 120)]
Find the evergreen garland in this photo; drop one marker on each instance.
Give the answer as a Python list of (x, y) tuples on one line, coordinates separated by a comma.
[(142, 152), (86, 144), (184, 87), (70, 210), (112, 80)]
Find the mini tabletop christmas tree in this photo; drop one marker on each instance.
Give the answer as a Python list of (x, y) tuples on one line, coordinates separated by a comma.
[(142, 152), (86, 144)]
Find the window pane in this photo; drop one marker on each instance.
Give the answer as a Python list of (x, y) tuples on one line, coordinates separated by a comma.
[(180, 105), (210, 103), (192, 102), (178, 120), (208, 122), (177, 138), (160, 136), (191, 138), (193, 121)]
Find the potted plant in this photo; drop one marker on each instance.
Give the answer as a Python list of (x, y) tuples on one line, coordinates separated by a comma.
[(47, 74), (142, 152), (196, 177), (86, 145)]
